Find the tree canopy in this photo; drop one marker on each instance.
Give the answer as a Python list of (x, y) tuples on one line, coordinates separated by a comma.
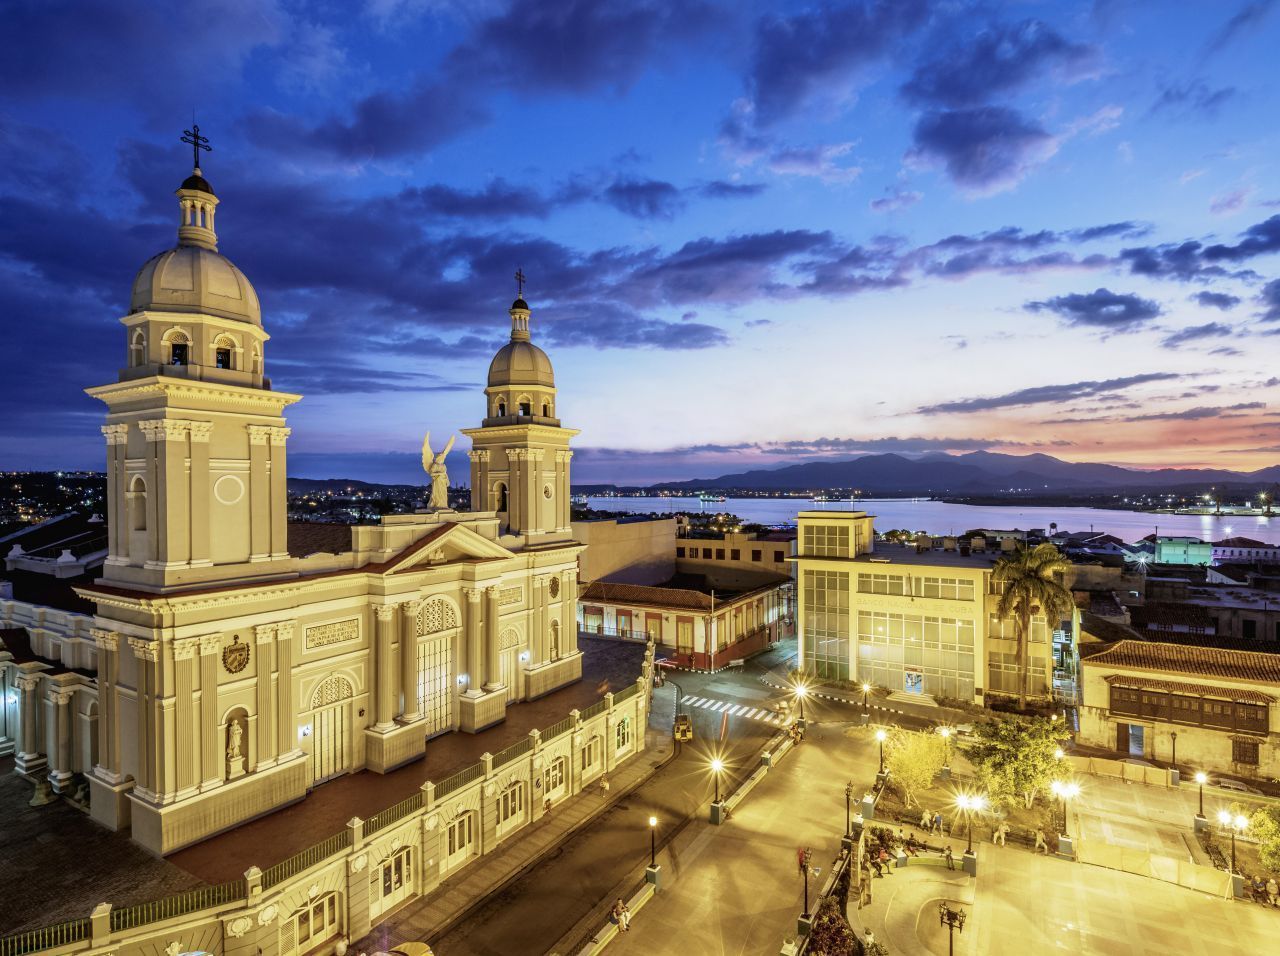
[(913, 759), (1016, 757), (1031, 584)]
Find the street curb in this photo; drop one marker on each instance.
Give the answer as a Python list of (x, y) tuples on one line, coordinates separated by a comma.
[(478, 902), (840, 700)]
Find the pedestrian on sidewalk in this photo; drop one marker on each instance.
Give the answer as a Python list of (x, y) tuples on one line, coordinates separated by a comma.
[(604, 786), (924, 820), (937, 824), (951, 860), (1273, 892), (1041, 844), (1000, 833)]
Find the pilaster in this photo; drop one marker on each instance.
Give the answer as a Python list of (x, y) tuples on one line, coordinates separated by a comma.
[(117, 530), (492, 671), (265, 636), (201, 482), (475, 642), (167, 458), (184, 652), (146, 654), (286, 715), (60, 764), (259, 493), (569, 612), (409, 661), (108, 644), (279, 494), (480, 480), (384, 633), (211, 769)]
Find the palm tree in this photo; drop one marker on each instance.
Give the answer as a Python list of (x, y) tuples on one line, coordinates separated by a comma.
[(1032, 585)]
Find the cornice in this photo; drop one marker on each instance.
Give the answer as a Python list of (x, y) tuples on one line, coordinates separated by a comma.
[(216, 393)]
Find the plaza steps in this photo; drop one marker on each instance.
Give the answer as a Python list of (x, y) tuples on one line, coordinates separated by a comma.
[(920, 700)]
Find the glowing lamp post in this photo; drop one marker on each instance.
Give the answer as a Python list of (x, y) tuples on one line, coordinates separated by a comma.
[(1201, 779), (802, 691), (1235, 824), (717, 765), (952, 920), (866, 689), (881, 735), (945, 733), (1065, 790), (970, 804), (653, 841)]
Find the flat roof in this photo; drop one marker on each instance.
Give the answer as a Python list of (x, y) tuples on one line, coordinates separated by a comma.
[(904, 554)]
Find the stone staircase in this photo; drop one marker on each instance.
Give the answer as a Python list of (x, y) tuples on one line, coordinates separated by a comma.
[(920, 700)]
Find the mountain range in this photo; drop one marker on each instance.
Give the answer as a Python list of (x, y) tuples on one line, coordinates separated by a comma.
[(977, 472)]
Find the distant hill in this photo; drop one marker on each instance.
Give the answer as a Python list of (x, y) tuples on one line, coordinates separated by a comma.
[(977, 472), (304, 485)]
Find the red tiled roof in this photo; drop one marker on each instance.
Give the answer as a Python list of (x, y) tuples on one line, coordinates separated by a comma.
[(1239, 542), (314, 537), (1258, 666), (608, 593)]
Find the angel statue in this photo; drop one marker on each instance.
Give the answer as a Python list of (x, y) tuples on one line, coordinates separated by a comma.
[(433, 465)]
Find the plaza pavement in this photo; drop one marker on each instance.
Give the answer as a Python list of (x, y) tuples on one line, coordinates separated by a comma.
[(735, 889)]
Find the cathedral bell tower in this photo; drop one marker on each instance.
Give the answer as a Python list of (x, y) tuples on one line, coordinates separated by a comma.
[(195, 435), (520, 455)]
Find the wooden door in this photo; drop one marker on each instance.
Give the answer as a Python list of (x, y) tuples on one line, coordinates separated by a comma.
[(330, 753)]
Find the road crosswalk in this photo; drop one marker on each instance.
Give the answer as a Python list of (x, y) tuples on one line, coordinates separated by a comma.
[(735, 710)]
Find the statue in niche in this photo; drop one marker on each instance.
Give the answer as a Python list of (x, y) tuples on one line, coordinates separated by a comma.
[(234, 735), (434, 466)]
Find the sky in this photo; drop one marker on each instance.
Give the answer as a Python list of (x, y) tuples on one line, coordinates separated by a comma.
[(754, 233)]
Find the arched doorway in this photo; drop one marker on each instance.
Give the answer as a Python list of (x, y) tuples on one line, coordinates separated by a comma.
[(331, 729)]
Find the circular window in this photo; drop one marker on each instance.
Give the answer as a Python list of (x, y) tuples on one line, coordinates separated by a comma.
[(228, 489), (546, 492), (554, 587)]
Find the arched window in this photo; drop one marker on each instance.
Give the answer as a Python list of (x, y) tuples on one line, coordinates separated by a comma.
[(546, 410), (500, 496), (510, 807), (224, 350), (257, 361), (502, 409), (138, 349), (526, 408), (310, 926), (179, 348), (137, 503)]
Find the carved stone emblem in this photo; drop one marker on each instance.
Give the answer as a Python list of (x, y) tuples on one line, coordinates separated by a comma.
[(554, 587), (358, 863), (235, 656), (238, 927), (174, 948), (313, 891), (268, 914)]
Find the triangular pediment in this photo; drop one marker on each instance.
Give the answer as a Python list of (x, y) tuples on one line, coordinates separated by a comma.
[(446, 545)]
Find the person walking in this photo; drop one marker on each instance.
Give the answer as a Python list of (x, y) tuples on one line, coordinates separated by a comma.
[(1041, 844), (1001, 831), (924, 820), (937, 823), (951, 860), (1273, 892)]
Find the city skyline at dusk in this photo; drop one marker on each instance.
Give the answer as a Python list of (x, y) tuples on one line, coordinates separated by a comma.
[(753, 235)]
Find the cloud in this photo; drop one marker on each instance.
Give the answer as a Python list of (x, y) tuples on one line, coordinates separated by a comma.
[(1198, 413), (1192, 98), (645, 199), (895, 200), (1216, 300), (1195, 333), (720, 189), (819, 162), (1232, 200), (1000, 59), (1194, 260), (1102, 308), (1127, 230), (1045, 394), (985, 149), (1247, 18), (819, 52), (1269, 299)]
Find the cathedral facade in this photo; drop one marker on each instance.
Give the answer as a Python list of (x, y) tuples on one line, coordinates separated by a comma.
[(236, 670)]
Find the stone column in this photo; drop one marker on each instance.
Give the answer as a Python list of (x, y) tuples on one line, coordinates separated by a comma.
[(201, 485), (211, 756), (480, 481), (538, 639), (108, 719), (566, 514), (279, 495), (515, 500), (184, 651), (286, 716), (28, 741), (117, 513), (60, 768), (259, 494), (409, 661), (535, 520), (492, 669), (569, 613), (145, 654), (475, 642), (384, 632), (265, 636)]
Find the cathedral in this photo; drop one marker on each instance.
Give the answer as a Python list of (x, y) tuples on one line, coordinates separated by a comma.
[(236, 666)]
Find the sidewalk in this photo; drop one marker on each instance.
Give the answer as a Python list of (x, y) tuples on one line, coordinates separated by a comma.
[(428, 918)]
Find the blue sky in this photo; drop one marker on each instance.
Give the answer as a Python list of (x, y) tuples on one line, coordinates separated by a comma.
[(754, 233)]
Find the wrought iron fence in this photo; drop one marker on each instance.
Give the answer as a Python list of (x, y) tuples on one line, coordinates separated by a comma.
[(627, 692), (393, 814), (459, 779), (180, 904), (558, 728), (46, 937), (306, 859), (599, 707), (517, 749)]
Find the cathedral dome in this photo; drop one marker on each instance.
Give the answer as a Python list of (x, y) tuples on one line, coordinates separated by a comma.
[(521, 363), (193, 278)]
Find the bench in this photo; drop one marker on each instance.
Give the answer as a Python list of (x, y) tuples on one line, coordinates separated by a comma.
[(609, 931)]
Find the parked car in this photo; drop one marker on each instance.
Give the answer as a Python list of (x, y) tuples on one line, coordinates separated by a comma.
[(1235, 786)]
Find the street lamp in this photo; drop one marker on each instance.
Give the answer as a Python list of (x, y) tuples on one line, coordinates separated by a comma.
[(866, 689), (1173, 736), (802, 691), (880, 736), (946, 745), (1059, 753), (653, 841), (1234, 823), (1064, 791), (717, 765), (1201, 779), (952, 920), (848, 812), (970, 804)]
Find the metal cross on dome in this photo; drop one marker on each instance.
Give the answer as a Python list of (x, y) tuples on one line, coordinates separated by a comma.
[(197, 142), (520, 280)]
